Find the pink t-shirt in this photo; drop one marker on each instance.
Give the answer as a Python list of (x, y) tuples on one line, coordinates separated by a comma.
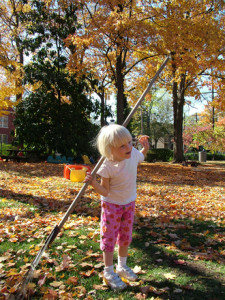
[(123, 176)]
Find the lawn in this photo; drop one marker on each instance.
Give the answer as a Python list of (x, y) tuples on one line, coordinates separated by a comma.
[(178, 247)]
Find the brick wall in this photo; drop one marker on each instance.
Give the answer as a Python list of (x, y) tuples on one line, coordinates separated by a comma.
[(7, 131)]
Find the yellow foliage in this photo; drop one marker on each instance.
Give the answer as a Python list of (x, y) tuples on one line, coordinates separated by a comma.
[(142, 34), (11, 72), (9, 88)]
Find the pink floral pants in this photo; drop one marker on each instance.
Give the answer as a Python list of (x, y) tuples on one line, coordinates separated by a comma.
[(116, 225)]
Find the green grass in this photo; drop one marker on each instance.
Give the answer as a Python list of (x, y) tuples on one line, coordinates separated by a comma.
[(161, 276), (4, 148), (179, 258)]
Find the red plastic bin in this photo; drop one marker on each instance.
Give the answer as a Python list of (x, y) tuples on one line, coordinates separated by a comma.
[(67, 169)]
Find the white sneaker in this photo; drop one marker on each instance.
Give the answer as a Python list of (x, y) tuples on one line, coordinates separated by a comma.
[(114, 281), (126, 272)]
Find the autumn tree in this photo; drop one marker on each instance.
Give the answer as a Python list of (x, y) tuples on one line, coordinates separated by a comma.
[(119, 35), (154, 117), (111, 35), (192, 34), (99, 87), (10, 75), (204, 131), (206, 136), (11, 51), (55, 114), (161, 124)]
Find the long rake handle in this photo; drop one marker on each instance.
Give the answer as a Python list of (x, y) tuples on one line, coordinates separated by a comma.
[(133, 111), (125, 123), (57, 228)]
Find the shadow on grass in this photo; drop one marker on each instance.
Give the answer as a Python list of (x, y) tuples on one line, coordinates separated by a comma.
[(156, 173), (194, 261), (170, 174), (48, 204), (33, 169), (195, 242)]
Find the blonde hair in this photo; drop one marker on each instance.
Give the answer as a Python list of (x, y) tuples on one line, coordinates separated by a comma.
[(112, 135)]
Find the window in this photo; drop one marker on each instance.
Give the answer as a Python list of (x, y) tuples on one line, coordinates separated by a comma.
[(4, 122), (4, 138)]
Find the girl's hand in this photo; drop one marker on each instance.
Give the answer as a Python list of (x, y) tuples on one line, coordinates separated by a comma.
[(89, 178), (143, 140), (101, 188)]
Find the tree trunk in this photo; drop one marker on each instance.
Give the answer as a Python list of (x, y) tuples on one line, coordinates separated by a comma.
[(102, 117), (178, 108), (19, 81), (121, 101), (17, 23)]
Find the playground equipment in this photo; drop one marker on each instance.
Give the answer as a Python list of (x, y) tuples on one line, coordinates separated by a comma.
[(58, 159), (76, 173), (86, 160)]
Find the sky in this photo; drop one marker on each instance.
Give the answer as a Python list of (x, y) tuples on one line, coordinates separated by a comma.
[(194, 108)]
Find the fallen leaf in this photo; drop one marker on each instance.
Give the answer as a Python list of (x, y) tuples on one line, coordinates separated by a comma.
[(138, 270), (4, 258), (169, 276), (88, 273), (180, 262), (100, 287), (100, 265), (72, 280), (86, 265), (41, 281), (56, 283)]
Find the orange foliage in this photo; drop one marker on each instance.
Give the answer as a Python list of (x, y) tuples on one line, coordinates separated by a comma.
[(172, 200)]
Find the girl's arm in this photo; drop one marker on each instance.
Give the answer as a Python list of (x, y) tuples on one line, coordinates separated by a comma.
[(102, 188), (143, 140)]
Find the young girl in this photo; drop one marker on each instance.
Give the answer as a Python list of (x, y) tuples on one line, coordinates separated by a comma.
[(118, 193)]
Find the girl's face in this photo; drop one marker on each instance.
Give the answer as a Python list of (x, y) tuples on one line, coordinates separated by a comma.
[(122, 152)]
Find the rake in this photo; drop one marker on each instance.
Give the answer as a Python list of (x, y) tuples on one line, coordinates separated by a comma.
[(21, 293)]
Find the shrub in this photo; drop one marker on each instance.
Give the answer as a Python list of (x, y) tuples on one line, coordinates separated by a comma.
[(191, 156), (159, 155), (210, 156), (215, 156), (4, 147)]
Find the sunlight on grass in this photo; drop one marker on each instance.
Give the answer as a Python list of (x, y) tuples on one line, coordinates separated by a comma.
[(178, 239)]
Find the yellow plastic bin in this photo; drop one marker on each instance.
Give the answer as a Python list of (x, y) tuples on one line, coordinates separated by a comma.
[(78, 174)]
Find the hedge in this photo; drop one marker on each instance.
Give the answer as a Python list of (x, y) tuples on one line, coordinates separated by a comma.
[(191, 156), (4, 148), (160, 154), (210, 156)]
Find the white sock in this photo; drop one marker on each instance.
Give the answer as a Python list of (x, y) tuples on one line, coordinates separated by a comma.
[(109, 269), (122, 261)]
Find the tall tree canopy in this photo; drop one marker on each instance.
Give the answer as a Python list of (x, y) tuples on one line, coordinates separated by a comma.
[(192, 32), (107, 44), (155, 118), (205, 131), (120, 36), (121, 43), (11, 52), (56, 114)]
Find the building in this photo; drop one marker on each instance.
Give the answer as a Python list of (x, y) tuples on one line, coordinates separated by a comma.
[(7, 126), (163, 143)]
